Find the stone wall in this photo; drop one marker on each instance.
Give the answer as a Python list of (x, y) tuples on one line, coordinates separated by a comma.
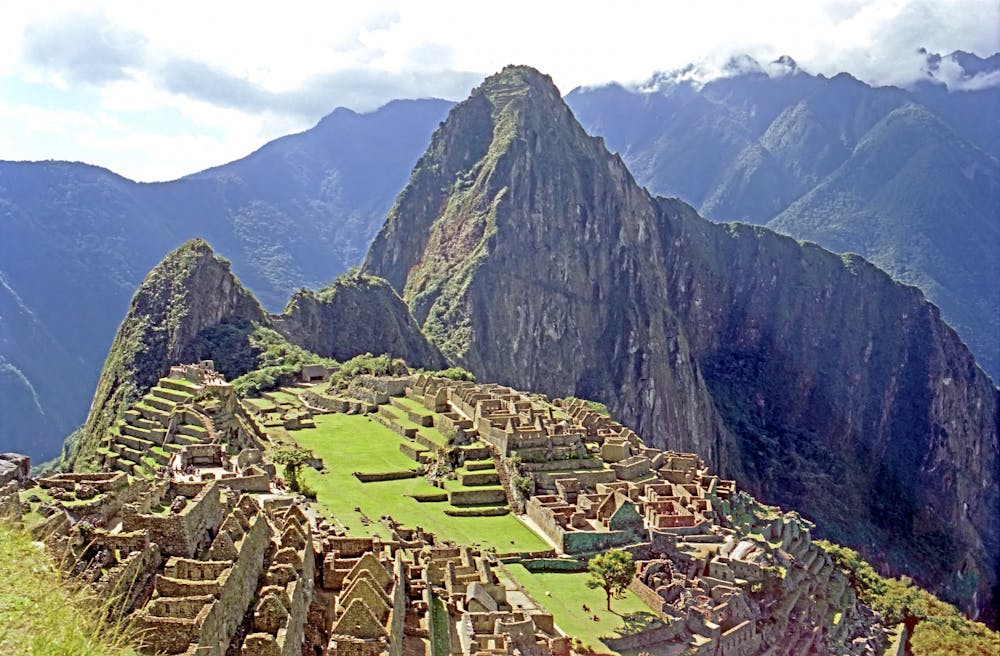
[(169, 624), (325, 402), (652, 636), (178, 534), (252, 483), (10, 501), (474, 497), (100, 481)]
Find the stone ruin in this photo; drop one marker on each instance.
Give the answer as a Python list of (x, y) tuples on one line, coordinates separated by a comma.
[(209, 556), (704, 551), (185, 413)]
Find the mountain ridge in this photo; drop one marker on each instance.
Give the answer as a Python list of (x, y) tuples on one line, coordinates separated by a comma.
[(76, 241), (762, 148), (733, 341)]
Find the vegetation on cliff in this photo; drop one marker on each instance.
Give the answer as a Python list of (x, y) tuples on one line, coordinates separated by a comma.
[(528, 253), (190, 290), (255, 358), (357, 313), (906, 178), (935, 628), (191, 307)]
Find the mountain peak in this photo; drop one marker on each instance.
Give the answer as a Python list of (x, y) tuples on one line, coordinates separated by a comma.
[(518, 74), (513, 126), (514, 86), (190, 289)]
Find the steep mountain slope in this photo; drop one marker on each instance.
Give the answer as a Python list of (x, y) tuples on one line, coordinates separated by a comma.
[(356, 314), (531, 256), (76, 240), (190, 290), (869, 170), (74, 244), (191, 306), (911, 197)]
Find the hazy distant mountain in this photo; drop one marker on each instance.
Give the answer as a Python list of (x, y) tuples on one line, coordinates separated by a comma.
[(76, 241), (909, 180)]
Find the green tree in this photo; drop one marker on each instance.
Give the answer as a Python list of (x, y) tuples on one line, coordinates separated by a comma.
[(292, 458), (611, 571)]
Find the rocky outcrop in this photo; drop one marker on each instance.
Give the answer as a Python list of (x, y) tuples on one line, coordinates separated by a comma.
[(529, 254), (356, 314), (191, 306), (190, 290)]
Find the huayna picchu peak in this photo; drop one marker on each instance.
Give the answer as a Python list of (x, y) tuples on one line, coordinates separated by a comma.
[(530, 256), (550, 414)]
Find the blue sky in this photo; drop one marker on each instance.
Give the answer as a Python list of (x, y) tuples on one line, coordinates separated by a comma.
[(154, 91)]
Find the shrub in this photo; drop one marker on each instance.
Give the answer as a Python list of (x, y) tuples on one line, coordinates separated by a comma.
[(935, 627), (524, 484), (454, 373)]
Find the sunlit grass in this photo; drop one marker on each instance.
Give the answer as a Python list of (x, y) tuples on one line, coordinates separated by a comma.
[(349, 443), (568, 594), (43, 615)]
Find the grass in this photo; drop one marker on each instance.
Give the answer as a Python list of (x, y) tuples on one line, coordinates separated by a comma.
[(569, 592), (349, 443), (39, 614), (284, 397)]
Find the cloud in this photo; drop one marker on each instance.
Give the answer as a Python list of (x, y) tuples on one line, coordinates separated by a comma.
[(361, 89), (962, 71), (234, 74), (83, 48)]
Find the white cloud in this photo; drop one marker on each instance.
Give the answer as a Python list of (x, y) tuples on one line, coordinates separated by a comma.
[(234, 73)]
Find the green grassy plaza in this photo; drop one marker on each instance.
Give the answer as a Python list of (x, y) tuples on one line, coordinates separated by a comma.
[(349, 443), (569, 593)]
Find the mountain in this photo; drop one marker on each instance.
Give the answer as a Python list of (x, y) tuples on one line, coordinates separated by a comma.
[(189, 291), (531, 256), (921, 203), (907, 179), (76, 241), (191, 307), (762, 141), (356, 314)]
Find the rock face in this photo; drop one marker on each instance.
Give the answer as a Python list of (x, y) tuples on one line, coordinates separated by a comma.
[(528, 253), (907, 179), (190, 290), (356, 314)]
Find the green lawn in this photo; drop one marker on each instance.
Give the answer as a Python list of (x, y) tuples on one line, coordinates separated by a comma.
[(570, 593), (284, 397), (349, 443)]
